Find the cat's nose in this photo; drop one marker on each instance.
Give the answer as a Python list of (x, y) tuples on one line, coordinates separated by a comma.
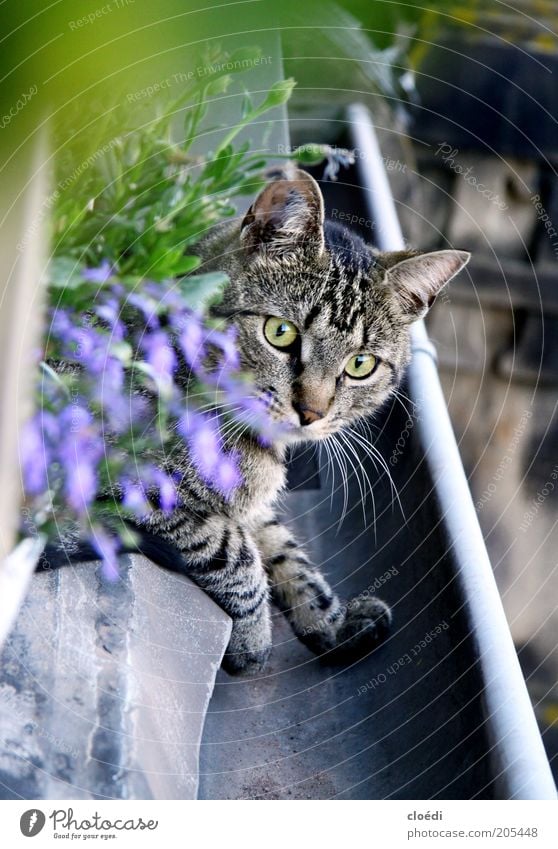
[(306, 414)]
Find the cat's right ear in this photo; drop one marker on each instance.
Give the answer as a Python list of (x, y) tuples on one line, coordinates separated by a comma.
[(287, 216), (417, 278)]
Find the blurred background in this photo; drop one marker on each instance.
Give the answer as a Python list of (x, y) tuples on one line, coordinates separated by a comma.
[(466, 106), (465, 99)]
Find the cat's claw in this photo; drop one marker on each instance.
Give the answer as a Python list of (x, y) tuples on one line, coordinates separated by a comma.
[(246, 663), (366, 624), (249, 646)]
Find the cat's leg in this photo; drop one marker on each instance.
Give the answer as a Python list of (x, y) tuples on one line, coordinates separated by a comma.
[(224, 560), (312, 608)]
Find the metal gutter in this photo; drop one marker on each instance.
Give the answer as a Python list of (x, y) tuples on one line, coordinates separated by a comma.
[(521, 766), (104, 687)]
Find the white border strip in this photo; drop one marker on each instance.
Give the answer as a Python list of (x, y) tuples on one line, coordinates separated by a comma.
[(16, 571), (21, 321)]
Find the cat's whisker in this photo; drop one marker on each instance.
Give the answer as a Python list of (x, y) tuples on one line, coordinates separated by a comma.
[(372, 452), (234, 437), (221, 409), (230, 429), (335, 459), (351, 448), (402, 394), (330, 465), (399, 396), (374, 455), (340, 457), (229, 413), (242, 427), (355, 472), (367, 425), (230, 422), (148, 428), (330, 468)]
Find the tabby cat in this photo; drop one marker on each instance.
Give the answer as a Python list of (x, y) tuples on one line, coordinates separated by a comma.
[(322, 323)]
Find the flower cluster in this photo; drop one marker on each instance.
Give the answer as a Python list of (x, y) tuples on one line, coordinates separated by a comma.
[(115, 412), (126, 381)]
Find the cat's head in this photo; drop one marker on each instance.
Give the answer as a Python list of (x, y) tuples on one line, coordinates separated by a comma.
[(322, 318)]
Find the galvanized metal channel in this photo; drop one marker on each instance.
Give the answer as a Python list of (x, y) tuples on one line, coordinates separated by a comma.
[(520, 763)]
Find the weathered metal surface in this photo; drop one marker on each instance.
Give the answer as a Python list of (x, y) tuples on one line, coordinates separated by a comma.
[(104, 687), (519, 763), (440, 710), (406, 722)]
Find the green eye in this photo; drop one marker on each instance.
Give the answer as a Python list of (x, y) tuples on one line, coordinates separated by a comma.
[(279, 332), (361, 366)]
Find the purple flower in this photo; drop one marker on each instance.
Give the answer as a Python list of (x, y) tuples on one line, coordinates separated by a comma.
[(50, 426), (146, 306), (205, 446), (163, 483), (98, 275), (125, 413), (61, 326), (107, 547), (188, 422), (227, 342), (113, 376), (80, 449), (81, 483), (88, 346), (167, 491), (75, 421), (227, 475), (192, 341), (107, 416), (252, 409), (170, 298), (335, 159), (160, 355), (110, 393), (218, 469), (109, 311), (108, 388), (135, 499), (35, 458)]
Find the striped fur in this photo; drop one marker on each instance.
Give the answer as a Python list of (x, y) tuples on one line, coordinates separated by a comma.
[(345, 298)]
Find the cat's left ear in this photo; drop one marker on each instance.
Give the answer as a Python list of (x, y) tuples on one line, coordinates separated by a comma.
[(417, 280), (287, 215)]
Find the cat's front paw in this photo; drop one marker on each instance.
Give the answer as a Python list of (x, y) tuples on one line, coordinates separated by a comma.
[(246, 663), (248, 649), (366, 624)]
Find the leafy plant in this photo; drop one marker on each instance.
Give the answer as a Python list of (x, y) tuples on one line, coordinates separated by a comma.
[(113, 411)]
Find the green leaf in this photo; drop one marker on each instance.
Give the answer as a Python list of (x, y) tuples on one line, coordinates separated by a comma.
[(277, 95), (216, 167), (245, 57), (188, 264), (218, 86), (199, 288), (63, 272), (310, 154), (247, 105)]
